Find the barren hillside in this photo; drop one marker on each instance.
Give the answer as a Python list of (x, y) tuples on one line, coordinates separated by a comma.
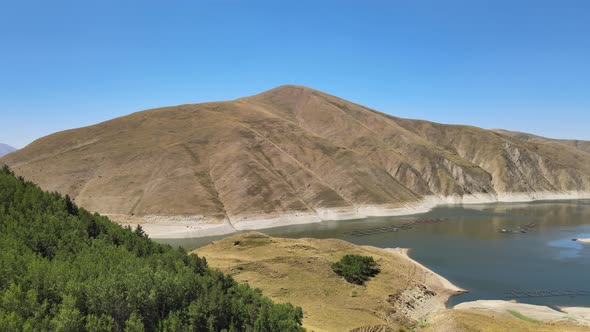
[(291, 150)]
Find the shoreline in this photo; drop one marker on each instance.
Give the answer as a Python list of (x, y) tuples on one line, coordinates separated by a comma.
[(199, 226), (178, 227), (405, 254), (439, 289), (298, 271), (576, 315)]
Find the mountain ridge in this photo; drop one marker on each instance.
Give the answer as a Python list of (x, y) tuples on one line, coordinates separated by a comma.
[(571, 143), (290, 151)]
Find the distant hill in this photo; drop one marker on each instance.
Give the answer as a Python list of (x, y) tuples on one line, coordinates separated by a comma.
[(6, 149), (291, 152)]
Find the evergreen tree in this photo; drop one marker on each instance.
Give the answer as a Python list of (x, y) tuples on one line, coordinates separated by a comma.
[(65, 269), (356, 269)]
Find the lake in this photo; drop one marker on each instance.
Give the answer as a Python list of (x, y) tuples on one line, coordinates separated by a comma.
[(466, 245)]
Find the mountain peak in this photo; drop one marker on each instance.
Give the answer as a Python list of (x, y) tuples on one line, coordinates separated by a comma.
[(291, 87), (288, 94), (285, 90)]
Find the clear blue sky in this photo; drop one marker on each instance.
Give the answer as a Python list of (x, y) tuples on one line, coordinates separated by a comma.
[(514, 64)]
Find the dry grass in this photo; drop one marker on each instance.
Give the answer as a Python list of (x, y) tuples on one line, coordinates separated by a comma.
[(298, 271), (570, 143)]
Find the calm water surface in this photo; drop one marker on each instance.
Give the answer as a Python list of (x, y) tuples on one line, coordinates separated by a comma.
[(469, 249)]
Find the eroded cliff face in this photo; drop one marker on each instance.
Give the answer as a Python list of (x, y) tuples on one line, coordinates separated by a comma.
[(290, 150)]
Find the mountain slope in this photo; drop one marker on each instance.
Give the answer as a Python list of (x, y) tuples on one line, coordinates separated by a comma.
[(571, 143), (6, 149), (291, 150)]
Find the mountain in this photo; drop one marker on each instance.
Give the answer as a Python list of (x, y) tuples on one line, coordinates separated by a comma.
[(5, 149), (291, 154), (576, 144)]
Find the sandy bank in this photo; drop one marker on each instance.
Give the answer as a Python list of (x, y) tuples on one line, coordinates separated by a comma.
[(175, 231), (578, 315), (404, 253), (587, 240), (158, 226), (174, 227), (424, 304)]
